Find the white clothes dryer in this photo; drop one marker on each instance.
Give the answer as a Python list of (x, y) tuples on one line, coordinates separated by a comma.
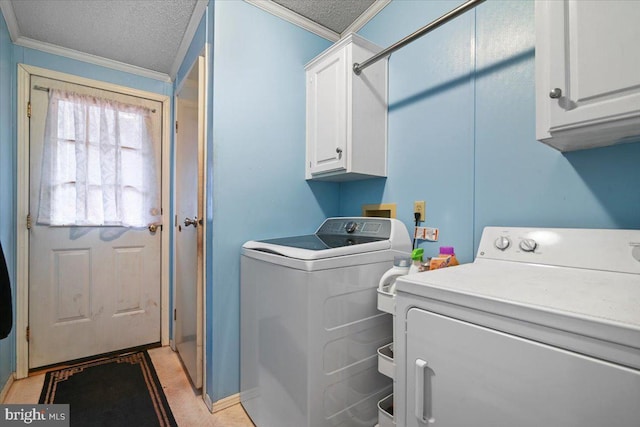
[(542, 329), (310, 325)]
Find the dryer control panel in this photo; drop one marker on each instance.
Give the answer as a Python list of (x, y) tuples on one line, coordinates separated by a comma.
[(596, 249)]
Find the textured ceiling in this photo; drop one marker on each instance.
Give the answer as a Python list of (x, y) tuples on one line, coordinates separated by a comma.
[(145, 33), (335, 15), (150, 34)]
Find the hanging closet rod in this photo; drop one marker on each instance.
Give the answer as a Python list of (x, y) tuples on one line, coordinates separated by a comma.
[(46, 89), (357, 68)]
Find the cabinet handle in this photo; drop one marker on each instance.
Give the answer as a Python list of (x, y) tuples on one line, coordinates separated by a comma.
[(424, 408), (555, 93), (339, 150)]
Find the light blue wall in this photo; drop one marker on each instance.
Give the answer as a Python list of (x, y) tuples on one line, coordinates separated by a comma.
[(431, 147), (256, 164), (7, 193), (462, 133), (520, 181)]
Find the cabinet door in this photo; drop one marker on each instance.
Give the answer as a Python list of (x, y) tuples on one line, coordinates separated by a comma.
[(326, 114), (460, 374), (593, 59)]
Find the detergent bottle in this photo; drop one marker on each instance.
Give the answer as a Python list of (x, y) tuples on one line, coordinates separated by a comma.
[(400, 267), (416, 261)]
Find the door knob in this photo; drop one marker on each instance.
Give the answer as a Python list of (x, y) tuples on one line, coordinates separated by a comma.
[(555, 93), (153, 227), (189, 221)]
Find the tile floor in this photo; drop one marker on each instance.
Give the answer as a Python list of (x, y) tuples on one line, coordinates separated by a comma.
[(186, 404)]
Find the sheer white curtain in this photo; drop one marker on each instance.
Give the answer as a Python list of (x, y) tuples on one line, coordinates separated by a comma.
[(99, 167)]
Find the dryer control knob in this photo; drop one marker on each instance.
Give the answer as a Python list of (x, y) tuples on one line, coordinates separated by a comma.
[(502, 243), (528, 245), (351, 226)]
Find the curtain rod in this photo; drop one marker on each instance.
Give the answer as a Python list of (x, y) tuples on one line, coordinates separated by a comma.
[(357, 68), (46, 89)]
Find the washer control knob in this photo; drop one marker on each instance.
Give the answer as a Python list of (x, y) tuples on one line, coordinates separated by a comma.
[(502, 242), (351, 226), (528, 245)]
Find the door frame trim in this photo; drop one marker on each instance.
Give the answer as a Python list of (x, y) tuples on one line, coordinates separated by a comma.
[(22, 202)]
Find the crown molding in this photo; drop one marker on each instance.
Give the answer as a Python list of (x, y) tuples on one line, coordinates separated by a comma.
[(366, 16), (292, 17), (91, 59), (10, 18), (196, 16), (17, 39)]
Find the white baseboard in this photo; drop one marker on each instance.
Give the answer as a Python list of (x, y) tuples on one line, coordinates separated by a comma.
[(6, 388), (207, 401), (225, 403)]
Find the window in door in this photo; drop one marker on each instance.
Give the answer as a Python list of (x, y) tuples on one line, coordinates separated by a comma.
[(98, 167)]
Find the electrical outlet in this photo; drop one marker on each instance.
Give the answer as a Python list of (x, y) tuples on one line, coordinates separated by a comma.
[(420, 206)]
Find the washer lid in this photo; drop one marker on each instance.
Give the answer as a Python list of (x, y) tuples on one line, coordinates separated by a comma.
[(339, 237), (318, 242), (312, 246)]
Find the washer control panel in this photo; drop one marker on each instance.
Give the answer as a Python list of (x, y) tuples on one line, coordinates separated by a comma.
[(351, 226), (379, 228)]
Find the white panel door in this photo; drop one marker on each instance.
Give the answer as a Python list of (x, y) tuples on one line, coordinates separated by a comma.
[(460, 374), (92, 290), (189, 235)]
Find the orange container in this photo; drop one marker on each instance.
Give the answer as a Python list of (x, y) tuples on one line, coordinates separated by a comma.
[(446, 258)]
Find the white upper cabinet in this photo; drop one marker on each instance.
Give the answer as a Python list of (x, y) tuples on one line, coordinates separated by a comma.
[(587, 73), (346, 113)]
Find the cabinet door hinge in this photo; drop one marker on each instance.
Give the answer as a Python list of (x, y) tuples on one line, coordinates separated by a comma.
[(175, 314), (29, 222), (176, 126), (29, 109), (28, 333)]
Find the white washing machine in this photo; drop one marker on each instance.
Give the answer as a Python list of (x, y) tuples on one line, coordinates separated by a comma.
[(310, 327), (543, 329)]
